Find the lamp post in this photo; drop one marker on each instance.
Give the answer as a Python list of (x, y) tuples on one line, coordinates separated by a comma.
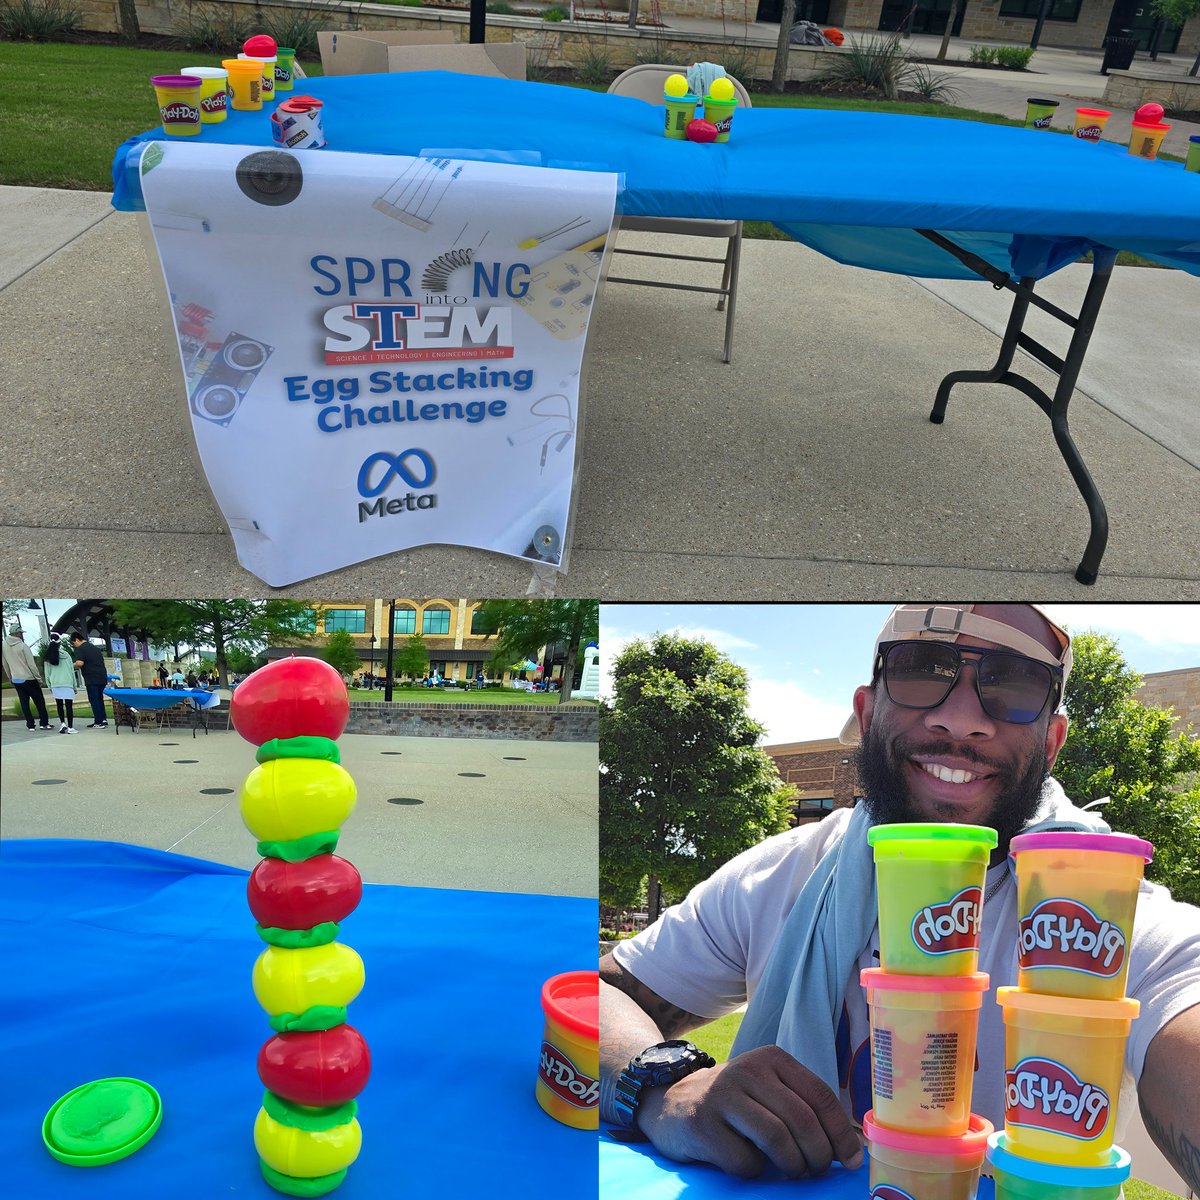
[(372, 640), (387, 675)]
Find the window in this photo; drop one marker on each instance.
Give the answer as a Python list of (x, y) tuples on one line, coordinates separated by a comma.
[(479, 626), (308, 622), (352, 620), (404, 620), (1059, 10), (437, 620)]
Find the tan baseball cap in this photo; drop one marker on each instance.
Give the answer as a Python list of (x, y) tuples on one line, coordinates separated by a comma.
[(948, 622)]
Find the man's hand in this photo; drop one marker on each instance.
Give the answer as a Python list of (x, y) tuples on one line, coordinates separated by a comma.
[(761, 1107)]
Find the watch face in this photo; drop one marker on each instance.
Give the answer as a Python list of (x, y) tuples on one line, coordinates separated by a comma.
[(659, 1056)]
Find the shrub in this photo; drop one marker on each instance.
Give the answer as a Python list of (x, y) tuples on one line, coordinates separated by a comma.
[(297, 29), (937, 88), (555, 14), (25, 21), (739, 61), (874, 62), (1015, 58), (211, 27), (983, 54), (594, 64)]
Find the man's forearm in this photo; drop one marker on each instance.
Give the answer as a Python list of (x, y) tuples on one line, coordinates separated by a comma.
[(625, 1030), (1168, 1095)]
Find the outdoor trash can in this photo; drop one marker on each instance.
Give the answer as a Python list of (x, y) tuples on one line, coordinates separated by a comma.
[(1118, 54)]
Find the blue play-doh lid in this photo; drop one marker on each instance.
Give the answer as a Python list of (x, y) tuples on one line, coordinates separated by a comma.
[(1114, 1173)]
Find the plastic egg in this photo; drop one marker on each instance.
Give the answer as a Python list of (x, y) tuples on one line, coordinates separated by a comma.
[(291, 798), (676, 85), (305, 1153), (701, 131), (290, 981), (290, 697), (317, 1067), (721, 89)]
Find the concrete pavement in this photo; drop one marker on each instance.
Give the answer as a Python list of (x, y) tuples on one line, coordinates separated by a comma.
[(474, 814), (787, 474)]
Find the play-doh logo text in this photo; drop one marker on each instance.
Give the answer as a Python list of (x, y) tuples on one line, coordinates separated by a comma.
[(1040, 1093), (951, 926), (888, 1191), (1066, 934), (565, 1079)]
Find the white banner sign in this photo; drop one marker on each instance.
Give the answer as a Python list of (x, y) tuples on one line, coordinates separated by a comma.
[(379, 352)]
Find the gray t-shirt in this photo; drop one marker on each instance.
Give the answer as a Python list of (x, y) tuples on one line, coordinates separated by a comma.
[(708, 954)]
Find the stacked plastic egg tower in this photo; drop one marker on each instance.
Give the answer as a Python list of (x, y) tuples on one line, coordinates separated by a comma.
[(1067, 1020), (294, 803), (924, 1000)]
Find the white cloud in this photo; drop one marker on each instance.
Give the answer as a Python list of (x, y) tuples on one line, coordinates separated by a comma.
[(1163, 625), (791, 714)]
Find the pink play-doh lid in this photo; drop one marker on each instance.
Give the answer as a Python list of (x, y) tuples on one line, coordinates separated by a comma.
[(1108, 843), (971, 1144)]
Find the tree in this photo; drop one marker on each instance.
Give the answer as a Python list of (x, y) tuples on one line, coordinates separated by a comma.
[(217, 623), (955, 5), (1121, 748), (523, 627), (787, 18), (339, 652), (412, 659), (243, 662), (1176, 12), (683, 784)]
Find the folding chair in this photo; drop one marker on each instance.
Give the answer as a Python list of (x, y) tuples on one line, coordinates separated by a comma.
[(645, 82)]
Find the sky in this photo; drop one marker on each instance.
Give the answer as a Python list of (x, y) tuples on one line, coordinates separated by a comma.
[(805, 660)]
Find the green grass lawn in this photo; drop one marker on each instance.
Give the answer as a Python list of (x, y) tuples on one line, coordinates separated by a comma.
[(717, 1038)]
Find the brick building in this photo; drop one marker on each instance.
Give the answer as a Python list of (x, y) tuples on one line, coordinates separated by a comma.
[(1179, 690)]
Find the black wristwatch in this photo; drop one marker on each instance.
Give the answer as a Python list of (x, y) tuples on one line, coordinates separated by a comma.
[(656, 1066)]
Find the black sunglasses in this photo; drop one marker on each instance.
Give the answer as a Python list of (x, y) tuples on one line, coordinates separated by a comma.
[(1010, 686)]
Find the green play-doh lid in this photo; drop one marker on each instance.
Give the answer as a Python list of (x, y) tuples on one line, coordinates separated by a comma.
[(918, 832), (102, 1121)]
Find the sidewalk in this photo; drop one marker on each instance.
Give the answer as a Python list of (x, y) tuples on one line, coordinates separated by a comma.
[(785, 474)]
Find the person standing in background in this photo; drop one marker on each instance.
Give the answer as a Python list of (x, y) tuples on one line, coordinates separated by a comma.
[(64, 681), (23, 671), (91, 666)]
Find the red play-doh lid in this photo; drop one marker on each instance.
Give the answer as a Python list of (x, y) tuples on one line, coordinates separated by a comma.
[(573, 1000), (300, 104)]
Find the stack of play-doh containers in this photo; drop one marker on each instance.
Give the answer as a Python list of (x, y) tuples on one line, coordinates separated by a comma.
[(294, 802), (924, 1001), (1068, 1019)]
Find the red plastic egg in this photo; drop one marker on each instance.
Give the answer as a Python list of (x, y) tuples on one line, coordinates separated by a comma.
[(291, 697), (1150, 113), (299, 895), (318, 1068), (261, 45), (700, 130)]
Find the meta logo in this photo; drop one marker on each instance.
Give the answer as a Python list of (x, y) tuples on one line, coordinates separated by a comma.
[(414, 468), (1066, 934), (951, 926), (1040, 1093), (370, 331), (566, 1080)]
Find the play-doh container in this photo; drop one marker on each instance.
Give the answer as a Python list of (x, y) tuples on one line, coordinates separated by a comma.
[(1018, 1178), (569, 1065), (214, 93), (930, 883), (1063, 1058), (925, 1168), (923, 1030), (1076, 897)]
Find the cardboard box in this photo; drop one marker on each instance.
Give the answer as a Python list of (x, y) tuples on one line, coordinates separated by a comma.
[(366, 52)]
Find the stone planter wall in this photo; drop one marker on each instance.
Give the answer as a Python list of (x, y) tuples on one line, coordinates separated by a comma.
[(1129, 89), (515, 721)]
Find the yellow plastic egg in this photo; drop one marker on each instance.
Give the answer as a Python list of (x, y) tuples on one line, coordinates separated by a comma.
[(304, 1153), (721, 89), (676, 85), (290, 798), (290, 981)]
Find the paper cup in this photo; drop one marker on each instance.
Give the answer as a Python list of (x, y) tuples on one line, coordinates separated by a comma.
[(1062, 1074), (1018, 1178), (568, 1086), (720, 113), (923, 1049), (268, 74), (1089, 123), (680, 110), (1145, 139), (285, 69), (1192, 163), (1076, 898), (214, 93), (930, 884), (1039, 113), (178, 104), (925, 1168), (245, 84)]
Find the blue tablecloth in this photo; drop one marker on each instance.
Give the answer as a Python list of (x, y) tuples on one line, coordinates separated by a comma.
[(637, 1172), (854, 185), (120, 960), (154, 698)]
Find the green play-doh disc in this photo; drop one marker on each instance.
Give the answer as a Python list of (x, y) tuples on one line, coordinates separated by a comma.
[(102, 1121)]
